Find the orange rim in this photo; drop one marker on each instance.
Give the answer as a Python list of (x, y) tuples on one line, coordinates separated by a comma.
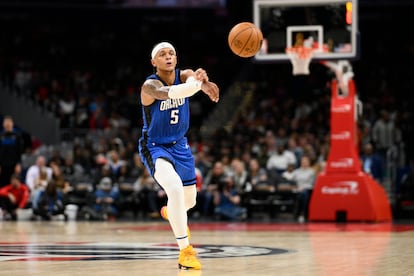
[(302, 52)]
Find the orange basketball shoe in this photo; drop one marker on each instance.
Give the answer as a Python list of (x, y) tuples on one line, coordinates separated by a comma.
[(188, 259), (164, 215)]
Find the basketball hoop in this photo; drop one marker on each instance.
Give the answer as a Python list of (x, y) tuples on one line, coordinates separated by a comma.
[(300, 57)]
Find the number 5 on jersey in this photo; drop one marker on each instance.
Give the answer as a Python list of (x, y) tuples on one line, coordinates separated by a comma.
[(174, 116)]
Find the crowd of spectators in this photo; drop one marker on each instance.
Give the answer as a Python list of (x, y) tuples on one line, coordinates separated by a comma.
[(88, 70), (89, 77)]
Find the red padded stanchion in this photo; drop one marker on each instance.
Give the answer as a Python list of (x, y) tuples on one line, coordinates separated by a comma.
[(344, 189)]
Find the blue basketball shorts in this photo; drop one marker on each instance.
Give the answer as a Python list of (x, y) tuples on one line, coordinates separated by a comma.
[(177, 153)]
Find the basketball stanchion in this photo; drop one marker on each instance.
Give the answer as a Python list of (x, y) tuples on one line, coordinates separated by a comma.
[(343, 191)]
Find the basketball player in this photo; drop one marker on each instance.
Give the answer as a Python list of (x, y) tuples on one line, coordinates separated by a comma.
[(163, 145)]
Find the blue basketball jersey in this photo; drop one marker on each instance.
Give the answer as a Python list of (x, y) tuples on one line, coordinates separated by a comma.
[(166, 121), (163, 135)]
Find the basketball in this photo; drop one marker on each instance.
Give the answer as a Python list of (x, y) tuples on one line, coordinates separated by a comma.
[(245, 39)]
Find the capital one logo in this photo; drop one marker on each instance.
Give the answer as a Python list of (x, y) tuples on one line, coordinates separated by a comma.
[(343, 135), (343, 108), (341, 188), (342, 163)]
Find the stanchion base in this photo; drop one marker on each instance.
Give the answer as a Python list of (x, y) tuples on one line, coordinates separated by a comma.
[(348, 197)]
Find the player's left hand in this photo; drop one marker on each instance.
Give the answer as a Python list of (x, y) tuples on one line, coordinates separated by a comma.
[(201, 75), (212, 90)]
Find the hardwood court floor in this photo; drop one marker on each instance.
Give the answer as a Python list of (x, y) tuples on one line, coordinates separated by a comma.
[(148, 248)]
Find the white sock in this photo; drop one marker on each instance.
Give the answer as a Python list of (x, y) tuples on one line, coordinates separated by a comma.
[(170, 181)]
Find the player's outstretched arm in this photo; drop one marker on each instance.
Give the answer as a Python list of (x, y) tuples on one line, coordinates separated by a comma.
[(208, 87), (153, 90)]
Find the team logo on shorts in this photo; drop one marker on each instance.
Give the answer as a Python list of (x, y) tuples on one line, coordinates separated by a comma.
[(122, 251)]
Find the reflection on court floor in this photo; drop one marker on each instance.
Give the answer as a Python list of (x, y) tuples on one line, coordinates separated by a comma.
[(148, 248)]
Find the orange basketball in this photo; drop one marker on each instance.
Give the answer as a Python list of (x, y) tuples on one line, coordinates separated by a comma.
[(245, 39)]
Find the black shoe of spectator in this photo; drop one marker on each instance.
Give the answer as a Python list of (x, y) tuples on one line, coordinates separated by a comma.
[(47, 217), (9, 216), (13, 216), (6, 216)]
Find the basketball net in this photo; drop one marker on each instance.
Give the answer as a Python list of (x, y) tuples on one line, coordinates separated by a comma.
[(300, 57)]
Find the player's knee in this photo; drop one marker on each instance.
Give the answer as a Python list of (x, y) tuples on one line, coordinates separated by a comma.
[(190, 203), (190, 194)]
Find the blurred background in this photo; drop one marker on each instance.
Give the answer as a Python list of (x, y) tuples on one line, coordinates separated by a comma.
[(71, 71)]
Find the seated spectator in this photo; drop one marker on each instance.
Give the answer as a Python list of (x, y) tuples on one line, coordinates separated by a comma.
[(40, 185), (150, 192), (124, 175), (258, 185), (33, 175), (280, 159), (304, 177), (13, 196), (371, 162), (227, 201), (61, 182), (239, 173), (210, 185), (101, 173), (297, 150), (56, 158), (287, 184), (50, 202), (71, 171), (115, 164), (256, 175), (105, 199), (288, 174)]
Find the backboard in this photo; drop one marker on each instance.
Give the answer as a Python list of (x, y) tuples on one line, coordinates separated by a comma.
[(329, 26)]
